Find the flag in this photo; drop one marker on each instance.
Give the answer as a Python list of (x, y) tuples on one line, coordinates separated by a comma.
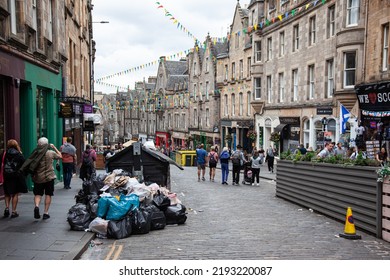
[(344, 117)]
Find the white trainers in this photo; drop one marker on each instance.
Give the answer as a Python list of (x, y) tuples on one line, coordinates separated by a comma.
[(257, 184), (253, 184)]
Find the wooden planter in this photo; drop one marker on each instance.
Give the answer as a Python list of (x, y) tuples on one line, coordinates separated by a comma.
[(386, 210), (330, 189)]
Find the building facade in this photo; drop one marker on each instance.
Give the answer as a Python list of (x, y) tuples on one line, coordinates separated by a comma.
[(306, 60)]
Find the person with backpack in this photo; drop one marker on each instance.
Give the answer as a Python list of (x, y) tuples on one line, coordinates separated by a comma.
[(238, 161), (14, 182), (69, 159), (270, 158), (224, 158), (213, 160), (87, 166)]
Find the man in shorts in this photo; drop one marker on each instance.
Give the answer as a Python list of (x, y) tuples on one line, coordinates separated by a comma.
[(201, 155)]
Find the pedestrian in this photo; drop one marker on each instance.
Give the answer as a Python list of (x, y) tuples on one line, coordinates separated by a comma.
[(381, 156), (224, 158), (40, 165), (301, 149), (238, 161), (107, 154), (326, 152), (256, 161), (270, 158), (213, 160), (87, 168), (69, 160), (14, 182), (201, 155), (340, 151)]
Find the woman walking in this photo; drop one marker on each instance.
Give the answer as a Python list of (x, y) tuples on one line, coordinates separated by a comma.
[(88, 163), (14, 181), (224, 158), (256, 161), (270, 159)]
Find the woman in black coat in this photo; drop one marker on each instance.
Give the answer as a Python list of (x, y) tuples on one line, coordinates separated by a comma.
[(14, 181)]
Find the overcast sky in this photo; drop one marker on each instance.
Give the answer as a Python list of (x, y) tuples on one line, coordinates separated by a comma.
[(139, 32)]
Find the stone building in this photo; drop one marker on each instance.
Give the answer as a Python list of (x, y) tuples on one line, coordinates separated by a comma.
[(307, 56), (33, 52), (106, 133), (172, 103), (234, 83), (204, 107), (147, 100)]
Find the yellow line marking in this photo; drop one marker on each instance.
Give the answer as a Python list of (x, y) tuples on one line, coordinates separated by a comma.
[(111, 251), (118, 252)]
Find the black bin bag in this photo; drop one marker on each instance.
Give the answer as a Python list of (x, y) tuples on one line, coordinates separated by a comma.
[(176, 214), (141, 222), (157, 217), (120, 229), (79, 217)]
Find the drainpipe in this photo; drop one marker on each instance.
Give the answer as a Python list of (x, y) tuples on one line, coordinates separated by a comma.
[(365, 42)]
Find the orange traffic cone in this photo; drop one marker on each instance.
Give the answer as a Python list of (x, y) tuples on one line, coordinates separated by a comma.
[(349, 229)]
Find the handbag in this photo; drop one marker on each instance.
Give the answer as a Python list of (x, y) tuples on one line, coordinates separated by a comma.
[(58, 166)]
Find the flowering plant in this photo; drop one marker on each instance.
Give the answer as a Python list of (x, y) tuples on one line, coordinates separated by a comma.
[(275, 137), (383, 172), (251, 134)]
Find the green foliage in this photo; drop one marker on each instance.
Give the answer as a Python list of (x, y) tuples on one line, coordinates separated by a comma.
[(383, 172)]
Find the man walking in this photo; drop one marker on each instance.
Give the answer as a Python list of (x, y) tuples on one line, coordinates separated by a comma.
[(238, 160), (201, 155), (69, 159)]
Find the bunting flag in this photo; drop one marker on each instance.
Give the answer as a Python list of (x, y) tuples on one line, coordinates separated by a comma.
[(344, 117)]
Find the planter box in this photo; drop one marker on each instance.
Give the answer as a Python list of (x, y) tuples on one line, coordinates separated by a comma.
[(386, 210), (330, 189)]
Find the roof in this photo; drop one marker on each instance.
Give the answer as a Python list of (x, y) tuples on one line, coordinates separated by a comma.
[(175, 67), (177, 79)]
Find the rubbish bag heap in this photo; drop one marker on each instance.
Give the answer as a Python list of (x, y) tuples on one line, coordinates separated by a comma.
[(116, 205)]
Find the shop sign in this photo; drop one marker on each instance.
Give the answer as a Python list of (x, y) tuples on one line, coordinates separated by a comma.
[(77, 109), (325, 111), (294, 133), (66, 110), (67, 125), (87, 109), (89, 126), (374, 97), (268, 123), (290, 120)]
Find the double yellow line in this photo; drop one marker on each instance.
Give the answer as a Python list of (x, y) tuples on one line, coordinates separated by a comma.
[(115, 251)]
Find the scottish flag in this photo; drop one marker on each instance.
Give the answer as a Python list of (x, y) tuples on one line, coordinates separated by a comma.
[(344, 117)]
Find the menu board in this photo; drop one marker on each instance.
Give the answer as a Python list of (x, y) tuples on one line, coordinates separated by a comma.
[(372, 148)]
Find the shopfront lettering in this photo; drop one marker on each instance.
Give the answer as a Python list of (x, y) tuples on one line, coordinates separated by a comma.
[(373, 98)]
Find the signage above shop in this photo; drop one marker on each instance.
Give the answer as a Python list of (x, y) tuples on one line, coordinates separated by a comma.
[(374, 97), (290, 120), (89, 126), (325, 111), (66, 110)]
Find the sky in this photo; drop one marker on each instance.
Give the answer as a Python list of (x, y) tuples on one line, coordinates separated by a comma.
[(139, 32)]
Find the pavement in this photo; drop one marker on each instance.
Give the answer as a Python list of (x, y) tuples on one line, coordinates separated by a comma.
[(26, 238)]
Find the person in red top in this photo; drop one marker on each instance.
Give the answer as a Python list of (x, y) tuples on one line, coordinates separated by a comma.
[(69, 159), (213, 159)]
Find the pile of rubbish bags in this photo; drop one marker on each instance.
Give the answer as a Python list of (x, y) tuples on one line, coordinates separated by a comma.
[(117, 205)]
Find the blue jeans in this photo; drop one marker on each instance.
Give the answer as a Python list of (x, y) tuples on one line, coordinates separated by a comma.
[(68, 172), (225, 172)]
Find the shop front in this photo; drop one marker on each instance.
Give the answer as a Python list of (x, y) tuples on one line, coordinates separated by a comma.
[(163, 139), (374, 105), (289, 130)]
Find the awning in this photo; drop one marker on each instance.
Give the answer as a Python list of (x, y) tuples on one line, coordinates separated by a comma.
[(280, 127)]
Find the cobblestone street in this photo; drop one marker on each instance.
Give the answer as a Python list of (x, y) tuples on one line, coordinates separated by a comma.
[(240, 222)]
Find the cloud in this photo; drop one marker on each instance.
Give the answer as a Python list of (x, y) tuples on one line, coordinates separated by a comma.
[(138, 33)]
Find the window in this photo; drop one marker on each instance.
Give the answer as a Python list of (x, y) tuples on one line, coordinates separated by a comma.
[(253, 17), (170, 121), (233, 71), (196, 121), (349, 69), (241, 73), (281, 87), (50, 22), (249, 99), (207, 64), (195, 92), (295, 85), (330, 78), (237, 41), (312, 30), (311, 81), (331, 21), (226, 72), (295, 38), (257, 51), (194, 69), (257, 88), (226, 108), (240, 104), (352, 12), (12, 8), (233, 105), (385, 51), (281, 43), (207, 90), (207, 117), (248, 67), (269, 48), (201, 91), (269, 89)]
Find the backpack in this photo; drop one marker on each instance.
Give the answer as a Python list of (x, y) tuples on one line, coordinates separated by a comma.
[(212, 158), (236, 158), (87, 161), (10, 166)]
